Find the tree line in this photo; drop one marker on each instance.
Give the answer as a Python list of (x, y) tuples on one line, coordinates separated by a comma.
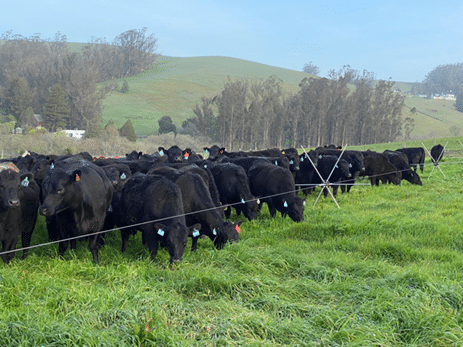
[(44, 76), (443, 79), (248, 115)]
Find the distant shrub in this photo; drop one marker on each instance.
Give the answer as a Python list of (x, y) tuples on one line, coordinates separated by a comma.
[(125, 87)]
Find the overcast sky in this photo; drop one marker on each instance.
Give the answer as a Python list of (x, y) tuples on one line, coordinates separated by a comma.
[(404, 40)]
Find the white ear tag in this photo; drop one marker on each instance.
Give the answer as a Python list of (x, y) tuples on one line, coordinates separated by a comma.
[(161, 152), (285, 204), (161, 232), (195, 233), (110, 208), (350, 165), (258, 201), (25, 182), (303, 203), (242, 201), (214, 232)]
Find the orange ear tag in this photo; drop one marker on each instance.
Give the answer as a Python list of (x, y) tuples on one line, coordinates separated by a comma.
[(237, 228), (77, 178)]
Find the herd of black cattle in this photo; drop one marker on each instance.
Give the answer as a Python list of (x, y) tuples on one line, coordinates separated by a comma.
[(174, 194)]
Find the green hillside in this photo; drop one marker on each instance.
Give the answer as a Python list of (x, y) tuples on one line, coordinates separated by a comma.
[(174, 85)]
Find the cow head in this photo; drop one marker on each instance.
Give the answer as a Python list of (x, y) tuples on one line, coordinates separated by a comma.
[(174, 154), (174, 238), (293, 206), (9, 188), (215, 152), (225, 232), (59, 189)]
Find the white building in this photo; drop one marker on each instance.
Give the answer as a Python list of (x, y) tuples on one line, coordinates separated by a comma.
[(77, 134)]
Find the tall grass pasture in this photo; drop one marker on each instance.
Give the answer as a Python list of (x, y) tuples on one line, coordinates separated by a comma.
[(386, 269)]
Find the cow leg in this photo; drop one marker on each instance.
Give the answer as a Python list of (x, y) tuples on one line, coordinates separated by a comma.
[(227, 212), (94, 246), (151, 238), (335, 190), (194, 243), (271, 208)]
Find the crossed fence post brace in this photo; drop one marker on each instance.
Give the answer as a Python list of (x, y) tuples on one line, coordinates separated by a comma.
[(436, 162), (325, 183)]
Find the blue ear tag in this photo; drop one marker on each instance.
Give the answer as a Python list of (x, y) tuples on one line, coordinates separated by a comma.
[(350, 165), (291, 162), (161, 232), (214, 232), (52, 166), (302, 158), (242, 201), (25, 182), (206, 151), (123, 176), (110, 208), (195, 233), (320, 156), (161, 152), (205, 165), (285, 204), (303, 203)]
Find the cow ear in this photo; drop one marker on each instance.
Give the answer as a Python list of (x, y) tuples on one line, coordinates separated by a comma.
[(160, 229), (26, 178), (222, 150), (194, 230), (283, 152), (75, 176), (161, 150)]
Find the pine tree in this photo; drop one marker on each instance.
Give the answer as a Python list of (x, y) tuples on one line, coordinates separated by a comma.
[(128, 131), (18, 99), (57, 109)]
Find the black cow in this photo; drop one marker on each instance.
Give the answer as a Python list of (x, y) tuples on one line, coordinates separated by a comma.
[(215, 153), (199, 208), (156, 202), (118, 175), (19, 203), (174, 154), (275, 186), (400, 161), (378, 168), (437, 152), (77, 196), (304, 177), (233, 186), (331, 165), (415, 156), (247, 162), (355, 160)]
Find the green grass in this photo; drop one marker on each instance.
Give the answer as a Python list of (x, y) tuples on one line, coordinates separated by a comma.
[(384, 270)]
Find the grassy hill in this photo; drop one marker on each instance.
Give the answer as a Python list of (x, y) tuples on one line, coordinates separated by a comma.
[(174, 85)]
